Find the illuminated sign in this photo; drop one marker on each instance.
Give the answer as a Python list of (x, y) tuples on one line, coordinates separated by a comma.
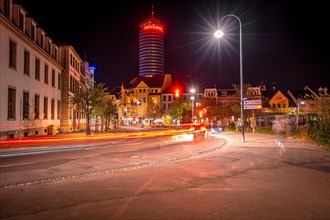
[(153, 27)]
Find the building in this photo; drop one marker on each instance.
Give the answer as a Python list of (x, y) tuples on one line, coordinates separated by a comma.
[(74, 73), (141, 99), (30, 76), (151, 48)]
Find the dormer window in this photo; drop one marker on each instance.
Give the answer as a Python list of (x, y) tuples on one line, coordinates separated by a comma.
[(21, 21), (33, 32), (42, 41)]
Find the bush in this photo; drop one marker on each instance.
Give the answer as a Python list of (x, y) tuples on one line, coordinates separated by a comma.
[(231, 127), (319, 131)]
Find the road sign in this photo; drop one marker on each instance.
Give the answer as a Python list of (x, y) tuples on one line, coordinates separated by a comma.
[(252, 104)]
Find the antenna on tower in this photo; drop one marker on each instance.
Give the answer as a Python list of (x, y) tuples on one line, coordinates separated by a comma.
[(152, 10)]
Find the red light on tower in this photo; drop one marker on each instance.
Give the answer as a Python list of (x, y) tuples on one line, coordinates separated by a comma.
[(153, 27)]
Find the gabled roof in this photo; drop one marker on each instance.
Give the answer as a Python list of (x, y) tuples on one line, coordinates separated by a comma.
[(116, 92), (151, 82), (268, 94)]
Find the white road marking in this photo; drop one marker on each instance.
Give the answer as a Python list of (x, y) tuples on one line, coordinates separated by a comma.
[(16, 164), (224, 189)]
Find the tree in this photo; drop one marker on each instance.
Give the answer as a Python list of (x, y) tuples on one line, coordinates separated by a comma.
[(177, 109), (318, 128), (153, 109), (89, 99)]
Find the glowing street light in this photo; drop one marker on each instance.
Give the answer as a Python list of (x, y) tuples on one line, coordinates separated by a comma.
[(219, 34), (192, 91)]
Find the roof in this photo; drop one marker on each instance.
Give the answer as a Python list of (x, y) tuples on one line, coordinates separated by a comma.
[(151, 82)]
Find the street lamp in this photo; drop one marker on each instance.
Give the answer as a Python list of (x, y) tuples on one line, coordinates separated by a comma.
[(219, 34), (298, 109), (192, 91), (142, 120)]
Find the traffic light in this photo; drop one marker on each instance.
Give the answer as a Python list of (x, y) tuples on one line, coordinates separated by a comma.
[(177, 92), (200, 113)]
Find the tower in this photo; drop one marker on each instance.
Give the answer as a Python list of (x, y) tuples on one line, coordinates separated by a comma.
[(151, 47)]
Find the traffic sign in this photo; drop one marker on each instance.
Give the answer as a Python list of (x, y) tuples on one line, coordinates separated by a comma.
[(252, 104)]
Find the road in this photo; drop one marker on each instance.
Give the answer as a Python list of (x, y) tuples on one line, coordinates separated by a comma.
[(267, 177)]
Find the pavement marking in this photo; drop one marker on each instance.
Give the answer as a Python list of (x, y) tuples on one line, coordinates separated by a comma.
[(217, 189), (16, 164), (94, 155), (128, 150)]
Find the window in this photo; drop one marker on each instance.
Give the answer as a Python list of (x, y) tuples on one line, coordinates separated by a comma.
[(169, 98), (59, 81), (12, 54), (52, 110), (26, 62), (33, 30), (6, 8), (11, 103), (164, 106), (42, 41), (53, 78), (58, 109), (25, 105), (45, 108), (46, 74), (55, 53), (21, 21), (164, 98), (36, 106), (37, 69)]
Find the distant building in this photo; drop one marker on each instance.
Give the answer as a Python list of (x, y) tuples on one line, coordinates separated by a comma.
[(141, 99), (30, 76), (151, 48)]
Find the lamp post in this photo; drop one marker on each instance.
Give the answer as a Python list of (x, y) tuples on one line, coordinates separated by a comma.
[(140, 101), (219, 34), (298, 109), (192, 91)]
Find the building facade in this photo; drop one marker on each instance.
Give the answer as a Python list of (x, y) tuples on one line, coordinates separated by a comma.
[(74, 73), (30, 76), (151, 48)]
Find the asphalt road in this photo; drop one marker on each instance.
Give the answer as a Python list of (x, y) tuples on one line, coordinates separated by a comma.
[(267, 177)]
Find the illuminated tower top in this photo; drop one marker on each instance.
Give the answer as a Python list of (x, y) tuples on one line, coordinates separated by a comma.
[(151, 47)]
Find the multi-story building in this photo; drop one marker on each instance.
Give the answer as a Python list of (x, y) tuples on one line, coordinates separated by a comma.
[(141, 99), (151, 48), (30, 76), (74, 73)]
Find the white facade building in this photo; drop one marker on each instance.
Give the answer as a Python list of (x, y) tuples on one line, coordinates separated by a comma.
[(30, 76)]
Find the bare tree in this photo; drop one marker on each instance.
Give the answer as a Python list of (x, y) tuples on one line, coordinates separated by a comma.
[(89, 100)]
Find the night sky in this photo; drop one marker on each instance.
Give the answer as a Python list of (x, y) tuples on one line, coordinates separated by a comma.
[(284, 42)]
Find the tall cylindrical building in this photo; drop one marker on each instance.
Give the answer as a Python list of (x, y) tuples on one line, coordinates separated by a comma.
[(151, 48)]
